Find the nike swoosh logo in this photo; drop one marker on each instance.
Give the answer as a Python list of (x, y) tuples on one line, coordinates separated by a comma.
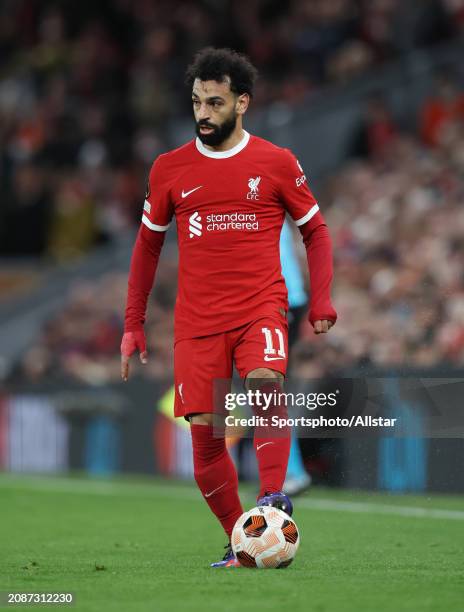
[(261, 445), (215, 490), (267, 358), (187, 193)]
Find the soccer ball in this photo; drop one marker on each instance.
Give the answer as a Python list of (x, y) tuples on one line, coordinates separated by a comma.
[(265, 537)]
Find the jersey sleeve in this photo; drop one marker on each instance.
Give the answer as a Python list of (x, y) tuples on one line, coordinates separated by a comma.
[(157, 208), (295, 193)]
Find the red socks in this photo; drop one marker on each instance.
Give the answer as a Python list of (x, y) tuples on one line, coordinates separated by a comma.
[(216, 475), (272, 457)]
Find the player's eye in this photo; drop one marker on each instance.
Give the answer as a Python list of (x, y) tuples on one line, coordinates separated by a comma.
[(196, 103)]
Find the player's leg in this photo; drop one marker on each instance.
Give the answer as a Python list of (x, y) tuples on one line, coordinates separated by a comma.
[(216, 478), (260, 344), (214, 471), (198, 362)]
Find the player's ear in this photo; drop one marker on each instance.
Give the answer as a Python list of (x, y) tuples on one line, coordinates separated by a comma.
[(242, 103)]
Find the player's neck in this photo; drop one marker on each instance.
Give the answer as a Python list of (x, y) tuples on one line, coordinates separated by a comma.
[(234, 139)]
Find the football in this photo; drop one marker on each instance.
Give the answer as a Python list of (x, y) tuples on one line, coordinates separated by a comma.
[(265, 537)]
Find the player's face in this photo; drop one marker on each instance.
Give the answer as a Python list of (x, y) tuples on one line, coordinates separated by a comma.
[(216, 109)]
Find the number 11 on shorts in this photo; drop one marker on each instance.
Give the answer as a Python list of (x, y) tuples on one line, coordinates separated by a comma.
[(269, 349)]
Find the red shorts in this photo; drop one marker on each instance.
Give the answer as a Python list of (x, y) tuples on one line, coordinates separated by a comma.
[(198, 362)]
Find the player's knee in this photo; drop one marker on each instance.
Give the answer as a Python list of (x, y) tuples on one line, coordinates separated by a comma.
[(260, 375), (270, 384), (203, 418), (207, 449)]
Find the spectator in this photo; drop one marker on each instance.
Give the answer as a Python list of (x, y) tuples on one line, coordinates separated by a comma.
[(377, 131), (27, 204), (441, 111)]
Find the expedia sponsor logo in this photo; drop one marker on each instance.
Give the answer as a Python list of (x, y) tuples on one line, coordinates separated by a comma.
[(301, 179)]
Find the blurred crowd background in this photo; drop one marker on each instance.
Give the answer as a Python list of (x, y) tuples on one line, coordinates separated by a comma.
[(88, 96)]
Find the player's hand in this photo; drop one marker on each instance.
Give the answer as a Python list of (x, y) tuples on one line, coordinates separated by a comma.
[(322, 326), (132, 341)]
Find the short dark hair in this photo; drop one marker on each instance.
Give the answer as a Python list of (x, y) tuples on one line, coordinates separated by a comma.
[(213, 64)]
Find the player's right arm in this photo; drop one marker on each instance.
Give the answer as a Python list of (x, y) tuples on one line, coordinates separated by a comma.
[(156, 218)]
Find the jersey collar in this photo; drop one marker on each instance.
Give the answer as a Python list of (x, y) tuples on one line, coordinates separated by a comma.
[(223, 154)]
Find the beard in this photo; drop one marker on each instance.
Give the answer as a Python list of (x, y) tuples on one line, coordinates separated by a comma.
[(219, 133)]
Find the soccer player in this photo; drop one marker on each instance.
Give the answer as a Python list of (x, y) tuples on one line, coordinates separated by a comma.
[(228, 191)]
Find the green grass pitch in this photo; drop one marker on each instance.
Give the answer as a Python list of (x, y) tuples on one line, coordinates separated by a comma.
[(145, 544)]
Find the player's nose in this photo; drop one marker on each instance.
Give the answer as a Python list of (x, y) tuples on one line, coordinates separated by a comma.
[(202, 112)]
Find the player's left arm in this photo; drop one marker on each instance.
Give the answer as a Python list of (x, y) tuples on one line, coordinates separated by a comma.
[(304, 210)]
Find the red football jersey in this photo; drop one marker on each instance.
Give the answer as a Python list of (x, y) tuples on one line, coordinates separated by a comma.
[(229, 208)]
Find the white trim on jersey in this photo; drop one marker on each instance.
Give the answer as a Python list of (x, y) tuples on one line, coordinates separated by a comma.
[(156, 228), (309, 215), (223, 154)]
